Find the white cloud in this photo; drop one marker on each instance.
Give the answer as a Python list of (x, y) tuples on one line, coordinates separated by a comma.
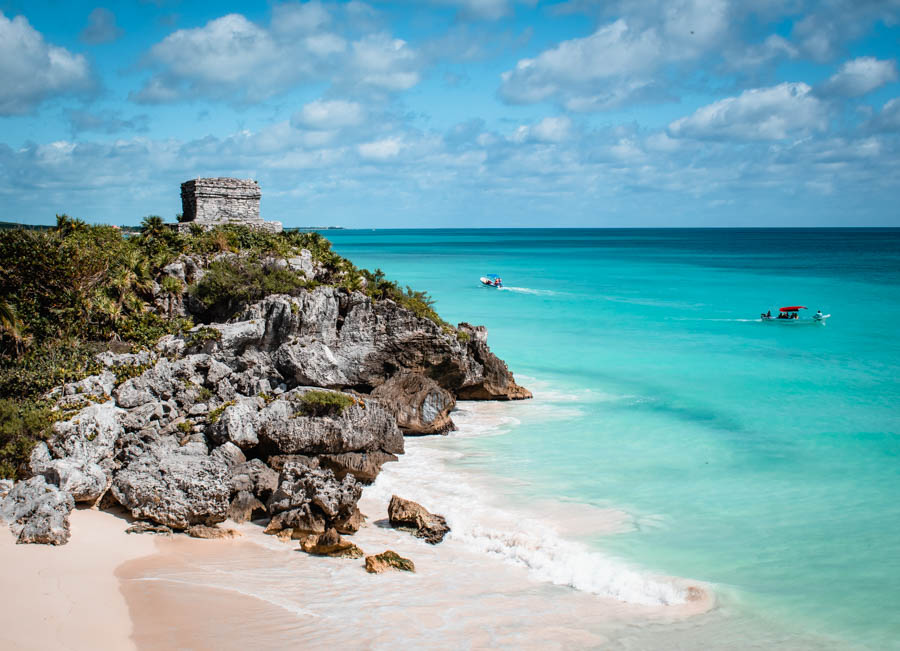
[(237, 60), (33, 70), (101, 27), (548, 130), (860, 76), (333, 114), (889, 118), (384, 62), (759, 114), (380, 150), (621, 61)]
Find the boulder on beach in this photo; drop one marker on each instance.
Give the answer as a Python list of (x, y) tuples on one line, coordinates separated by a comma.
[(174, 487), (415, 518), (388, 560), (211, 533), (38, 512), (330, 544)]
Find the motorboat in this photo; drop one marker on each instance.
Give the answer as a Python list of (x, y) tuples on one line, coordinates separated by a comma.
[(790, 315), (492, 280)]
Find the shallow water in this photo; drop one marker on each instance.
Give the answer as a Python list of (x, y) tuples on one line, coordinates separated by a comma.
[(759, 458)]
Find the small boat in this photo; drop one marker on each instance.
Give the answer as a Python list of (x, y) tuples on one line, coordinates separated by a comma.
[(492, 280), (791, 315)]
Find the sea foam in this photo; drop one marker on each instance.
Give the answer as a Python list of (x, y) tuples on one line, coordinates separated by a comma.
[(430, 474)]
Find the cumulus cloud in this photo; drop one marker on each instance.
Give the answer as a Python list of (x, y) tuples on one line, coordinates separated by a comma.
[(548, 130), (380, 150), (101, 27), (621, 60), (33, 70), (235, 59), (329, 114), (859, 76), (759, 114)]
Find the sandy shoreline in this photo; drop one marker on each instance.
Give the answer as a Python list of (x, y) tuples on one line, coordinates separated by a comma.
[(484, 586), (68, 597), (258, 592)]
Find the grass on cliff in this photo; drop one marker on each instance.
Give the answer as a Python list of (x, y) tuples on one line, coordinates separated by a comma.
[(323, 403), (69, 292)]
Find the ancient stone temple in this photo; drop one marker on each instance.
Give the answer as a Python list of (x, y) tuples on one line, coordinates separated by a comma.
[(213, 202)]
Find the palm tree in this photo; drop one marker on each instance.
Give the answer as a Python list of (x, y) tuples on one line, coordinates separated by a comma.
[(65, 225), (153, 226), (133, 276)]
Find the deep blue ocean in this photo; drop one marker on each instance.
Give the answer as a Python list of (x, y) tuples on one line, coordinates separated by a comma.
[(761, 458)]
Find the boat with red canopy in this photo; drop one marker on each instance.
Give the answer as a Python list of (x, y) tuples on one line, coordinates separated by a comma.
[(791, 314)]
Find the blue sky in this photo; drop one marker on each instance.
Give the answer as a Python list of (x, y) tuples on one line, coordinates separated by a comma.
[(443, 113)]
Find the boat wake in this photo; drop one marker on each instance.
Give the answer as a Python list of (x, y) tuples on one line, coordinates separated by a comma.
[(528, 290), (692, 318)]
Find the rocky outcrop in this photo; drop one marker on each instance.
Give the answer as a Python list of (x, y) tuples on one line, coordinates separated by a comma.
[(496, 382), (37, 512), (331, 544), (327, 338), (174, 487), (388, 560), (283, 427), (420, 405), (364, 466), (221, 422), (413, 517), (310, 499)]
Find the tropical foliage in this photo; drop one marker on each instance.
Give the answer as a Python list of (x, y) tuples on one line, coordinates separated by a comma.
[(69, 292)]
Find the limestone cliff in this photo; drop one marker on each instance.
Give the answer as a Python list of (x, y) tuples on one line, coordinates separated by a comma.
[(282, 413)]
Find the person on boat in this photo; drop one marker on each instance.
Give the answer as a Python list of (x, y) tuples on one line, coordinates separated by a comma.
[(769, 314)]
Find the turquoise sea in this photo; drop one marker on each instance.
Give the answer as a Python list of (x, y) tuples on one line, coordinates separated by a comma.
[(761, 458)]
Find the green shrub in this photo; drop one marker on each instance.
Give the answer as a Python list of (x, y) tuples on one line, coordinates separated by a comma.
[(463, 336), (22, 424), (201, 336), (228, 285), (323, 403)]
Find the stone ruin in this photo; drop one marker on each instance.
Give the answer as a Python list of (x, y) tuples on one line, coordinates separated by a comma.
[(217, 201)]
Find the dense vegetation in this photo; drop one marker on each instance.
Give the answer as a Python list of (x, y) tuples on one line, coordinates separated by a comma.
[(72, 291)]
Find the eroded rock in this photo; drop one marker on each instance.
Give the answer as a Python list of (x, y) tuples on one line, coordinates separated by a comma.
[(310, 498), (211, 533), (388, 560), (330, 544), (38, 512), (415, 518), (420, 405), (174, 488)]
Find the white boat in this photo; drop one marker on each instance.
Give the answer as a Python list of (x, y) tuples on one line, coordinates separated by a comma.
[(492, 280), (790, 315)]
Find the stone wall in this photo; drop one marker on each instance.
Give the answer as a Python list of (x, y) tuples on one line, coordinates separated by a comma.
[(210, 202)]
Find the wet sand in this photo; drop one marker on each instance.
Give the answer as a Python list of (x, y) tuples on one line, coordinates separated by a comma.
[(257, 592)]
